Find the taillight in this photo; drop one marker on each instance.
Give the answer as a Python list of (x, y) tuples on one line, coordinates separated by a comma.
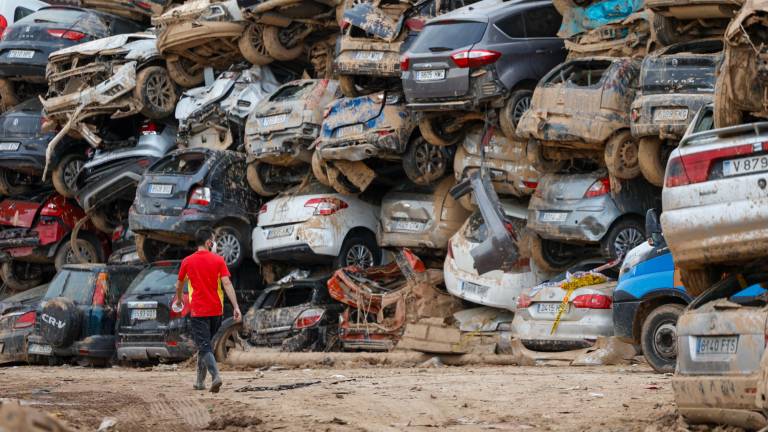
[(184, 311), (144, 5), (405, 63), (51, 209), (450, 249), (694, 168), (326, 206), (530, 184), (117, 233), (475, 58), (100, 293), (344, 24), (66, 34), (592, 301), (200, 196), (524, 301), (263, 209), (149, 128), (3, 26), (414, 24), (308, 318), (26, 320), (599, 188)]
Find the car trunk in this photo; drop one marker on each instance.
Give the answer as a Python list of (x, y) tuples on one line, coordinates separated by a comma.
[(165, 187), (683, 73), (352, 111), (575, 89), (556, 188), (545, 303), (145, 309), (411, 211), (286, 108)]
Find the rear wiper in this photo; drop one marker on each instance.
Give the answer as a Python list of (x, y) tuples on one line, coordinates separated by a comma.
[(440, 49)]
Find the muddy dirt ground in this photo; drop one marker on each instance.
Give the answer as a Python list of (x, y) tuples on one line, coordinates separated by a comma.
[(610, 398)]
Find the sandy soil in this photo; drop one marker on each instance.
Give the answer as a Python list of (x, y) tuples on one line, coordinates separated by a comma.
[(625, 398)]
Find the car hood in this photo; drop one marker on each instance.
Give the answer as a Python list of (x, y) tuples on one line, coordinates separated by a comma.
[(139, 45)]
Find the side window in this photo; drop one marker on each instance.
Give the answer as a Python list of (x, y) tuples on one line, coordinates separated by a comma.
[(118, 283), (543, 22), (20, 13), (512, 26)]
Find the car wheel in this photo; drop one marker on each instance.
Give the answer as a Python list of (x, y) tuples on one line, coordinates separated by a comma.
[(623, 236), (13, 183), (696, 281), (425, 163), (319, 170), (547, 254), (147, 249), (658, 337), (21, 276), (621, 156), (156, 91), (100, 220), (65, 173), (227, 338), (321, 57), (67, 255), (518, 103), (252, 47), (185, 72), (348, 86), (230, 246), (275, 46), (359, 250), (664, 28), (725, 112), (431, 128), (8, 96), (535, 155), (253, 174), (651, 161)]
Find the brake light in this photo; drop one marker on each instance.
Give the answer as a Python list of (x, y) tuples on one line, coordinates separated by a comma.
[(530, 184), (599, 188), (149, 128), (100, 293), (414, 24), (184, 311), (51, 209), (450, 249), (592, 301), (405, 63), (263, 209), (66, 34), (3, 26), (200, 196), (143, 162), (524, 301), (344, 24), (117, 233), (308, 318), (694, 168), (144, 5), (475, 58), (26, 320), (326, 206)]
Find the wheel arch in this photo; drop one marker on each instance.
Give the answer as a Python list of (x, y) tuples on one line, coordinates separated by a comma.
[(241, 224), (653, 301)]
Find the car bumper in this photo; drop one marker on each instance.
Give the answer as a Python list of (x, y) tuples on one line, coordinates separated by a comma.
[(13, 346), (508, 177), (361, 148), (569, 334), (175, 229), (624, 314), (144, 351), (388, 66), (557, 129), (283, 148), (100, 346), (646, 106), (315, 240), (719, 399), (435, 236), (587, 221)]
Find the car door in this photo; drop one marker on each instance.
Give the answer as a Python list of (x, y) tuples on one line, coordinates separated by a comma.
[(506, 34), (542, 23)]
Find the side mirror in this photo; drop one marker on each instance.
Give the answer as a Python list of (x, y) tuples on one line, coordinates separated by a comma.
[(653, 227)]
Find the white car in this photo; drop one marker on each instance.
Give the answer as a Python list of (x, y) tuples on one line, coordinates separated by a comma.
[(496, 288), (316, 225), (14, 10)]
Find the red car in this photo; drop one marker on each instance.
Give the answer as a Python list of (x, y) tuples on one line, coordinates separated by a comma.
[(35, 239)]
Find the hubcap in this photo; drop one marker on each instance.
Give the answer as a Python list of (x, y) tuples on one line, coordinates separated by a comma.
[(360, 256), (228, 247), (665, 340), (84, 252), (430, 161), (257, 40), (520, 108), (160, 91), (71, 171), (627, 240)]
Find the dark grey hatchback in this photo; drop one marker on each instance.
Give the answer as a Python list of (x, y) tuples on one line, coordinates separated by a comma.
[(489, 54)]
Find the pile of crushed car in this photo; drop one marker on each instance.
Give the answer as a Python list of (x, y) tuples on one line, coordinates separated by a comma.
[(375, 169)]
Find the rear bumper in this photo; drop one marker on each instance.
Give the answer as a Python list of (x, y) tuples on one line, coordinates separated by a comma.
[(317, 240), (719, 399), (587, 220), (674, 130), (300, 253), (99, 346), (580, 334), (365, 147), (346, 64), (31, 163), (13, 346), (283, 147), (144, 351), (176, 229), (434, 238), (178, 36), (507, 176), (458, 105), (587, 130)]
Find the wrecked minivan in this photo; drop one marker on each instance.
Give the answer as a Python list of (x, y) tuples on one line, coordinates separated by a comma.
[(374, 126), (580, 110), (675, 82), (280, 131), (684, 19)]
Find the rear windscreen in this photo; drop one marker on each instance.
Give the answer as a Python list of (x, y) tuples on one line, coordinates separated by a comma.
[(292, 92), (448, 36), (581, 74), (155, 280), (72, 284), (73, 19), (186, 163), (19, 126), (679, 74)]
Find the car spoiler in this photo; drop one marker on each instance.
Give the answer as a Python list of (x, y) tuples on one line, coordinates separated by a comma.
[(759, 128)]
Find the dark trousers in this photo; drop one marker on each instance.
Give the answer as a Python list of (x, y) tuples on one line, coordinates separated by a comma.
[(203, 330)]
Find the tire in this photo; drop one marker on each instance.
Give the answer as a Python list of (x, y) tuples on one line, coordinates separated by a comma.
[(101, 221), (157, 92), (9, 183), (517, 104), (658, 337), (63, 326), (253, 175), (319, 169), (545, 257), (8, 96), (725, 113), (696, 281), (230, 245), (66, 255), (650, 160), (181, 72), (252, 47), (146, 248), (228, 337), (621, 156), (536, 158), (664, 29), (65, 173), (623, 236), (275, 47), (347, 86), (20, 276), (358, 249), (425, 163), (431, 130)]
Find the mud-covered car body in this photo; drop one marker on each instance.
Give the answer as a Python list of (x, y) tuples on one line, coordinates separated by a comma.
[(77, 317), (147, 327), (678, 19), (136, 10), (17, 321), (297, 315), (22, 146), (107, 78), (123, 246), (214, 116), (420, 216)]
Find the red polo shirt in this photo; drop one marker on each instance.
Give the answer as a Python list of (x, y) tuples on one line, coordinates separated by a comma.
[(204, 270)]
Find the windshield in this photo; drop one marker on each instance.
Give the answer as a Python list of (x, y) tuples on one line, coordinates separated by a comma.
[(679, 74), (448, 36), (76, 285), (155, 280), (73, 19), (184, 164)]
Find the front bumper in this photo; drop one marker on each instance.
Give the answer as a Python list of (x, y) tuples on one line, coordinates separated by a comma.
[(725, 399), (646, 106), (173, 229), (587, 220), (317, 240)]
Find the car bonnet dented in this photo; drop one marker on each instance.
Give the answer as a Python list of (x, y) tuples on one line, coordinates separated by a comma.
[(580, 19)]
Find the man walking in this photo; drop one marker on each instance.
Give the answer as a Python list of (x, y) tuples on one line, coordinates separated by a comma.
[(207, 273)]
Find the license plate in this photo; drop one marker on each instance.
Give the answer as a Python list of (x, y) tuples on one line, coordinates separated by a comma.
[(349, 130), (369, 55), (143, 314), (40, 349), (553, 216), (160, 189), (273, 120), (21, 54), (679, 114), (473, 288), (408, 226), (717, 344), (9, 146), (430, 75), (550, 308), (745, 165), (280, 232)]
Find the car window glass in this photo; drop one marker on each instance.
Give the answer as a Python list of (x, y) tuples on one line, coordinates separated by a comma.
[(185, 164), (155, 280), (542, 22), (580, 74), (448, 36), (54, 15), (705, 122), (20, 13), (76, 285), (512, 26), (271, 299), (296, 296), (292, 92)]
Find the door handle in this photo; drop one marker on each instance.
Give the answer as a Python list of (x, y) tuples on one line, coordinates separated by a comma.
[(543, 51)]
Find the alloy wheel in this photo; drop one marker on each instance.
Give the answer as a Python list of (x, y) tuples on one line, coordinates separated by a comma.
[(522, 105), (626, 240), (360, 256), (71, 171), (430, 160), (160, 91), (228, 247), (85, 253)]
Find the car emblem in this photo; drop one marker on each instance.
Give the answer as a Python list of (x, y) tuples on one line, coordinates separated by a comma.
[(15, 122), (674, 62), (27, 29)]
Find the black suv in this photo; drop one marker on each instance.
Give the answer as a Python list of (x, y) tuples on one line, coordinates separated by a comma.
[(191, 189), (77, 316)]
